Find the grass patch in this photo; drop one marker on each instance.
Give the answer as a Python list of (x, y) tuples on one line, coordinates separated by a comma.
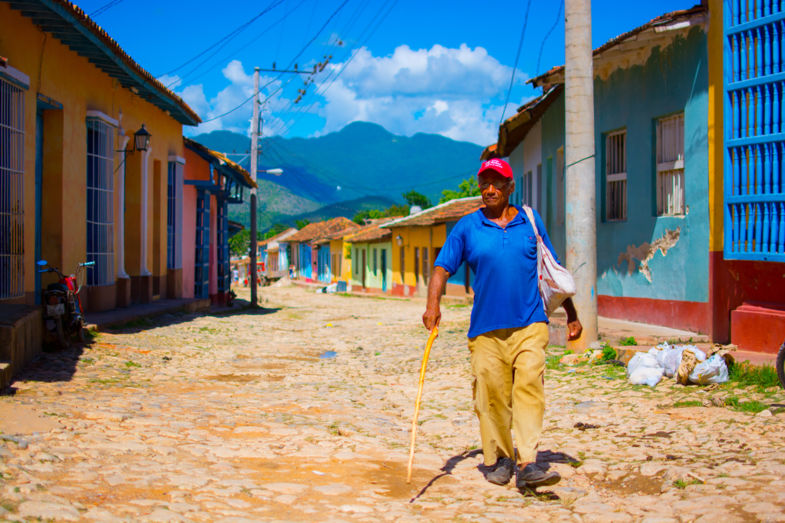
[(752, 406), (627, 342), (681, 484), (87, 361), (130, 364), (608, 353), (552, 362), (137, 323), (745, 374), (688, 403)]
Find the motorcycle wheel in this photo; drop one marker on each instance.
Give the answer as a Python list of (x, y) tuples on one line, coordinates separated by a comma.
[(62, 339), (781, 365)]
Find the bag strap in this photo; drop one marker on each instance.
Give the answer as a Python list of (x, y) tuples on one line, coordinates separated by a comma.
[(528, 211)]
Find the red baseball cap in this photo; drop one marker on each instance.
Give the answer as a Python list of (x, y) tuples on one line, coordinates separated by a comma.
[(497, 165)]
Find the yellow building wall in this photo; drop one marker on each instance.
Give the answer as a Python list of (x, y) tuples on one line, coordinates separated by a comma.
[(716, 106), (337, 248), (422, 237), (59, 73)]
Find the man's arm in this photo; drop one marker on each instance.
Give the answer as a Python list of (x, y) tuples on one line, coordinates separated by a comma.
[(433, 312), (574, 327)]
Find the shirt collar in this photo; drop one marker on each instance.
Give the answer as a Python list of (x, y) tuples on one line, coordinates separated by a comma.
[(519, 218)]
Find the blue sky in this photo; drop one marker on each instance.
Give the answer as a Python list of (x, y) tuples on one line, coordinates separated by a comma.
[(412, 66)]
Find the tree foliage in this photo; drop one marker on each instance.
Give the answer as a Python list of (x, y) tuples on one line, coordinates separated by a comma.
[(301, 223), (466, 188), (240, 243), (393, 210), (278, 228), (414, 198)]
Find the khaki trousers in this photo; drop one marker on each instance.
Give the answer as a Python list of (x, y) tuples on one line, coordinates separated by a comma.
[(509, 367)]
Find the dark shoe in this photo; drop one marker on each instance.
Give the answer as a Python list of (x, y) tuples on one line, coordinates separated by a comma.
[(532, 476), (501, 472)]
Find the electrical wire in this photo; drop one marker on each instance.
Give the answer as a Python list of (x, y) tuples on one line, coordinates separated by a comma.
[(104, 8), (333, 75), (291, 63), (547, 35), (517, 57), (229, 36)]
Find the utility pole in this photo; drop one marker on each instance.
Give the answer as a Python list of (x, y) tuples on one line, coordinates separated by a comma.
[(254, 158), (581, 218)]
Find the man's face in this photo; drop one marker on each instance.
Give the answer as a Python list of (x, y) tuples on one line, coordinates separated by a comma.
[(495, 188)]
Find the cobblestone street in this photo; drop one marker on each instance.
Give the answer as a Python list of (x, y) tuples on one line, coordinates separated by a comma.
[(302, 412)]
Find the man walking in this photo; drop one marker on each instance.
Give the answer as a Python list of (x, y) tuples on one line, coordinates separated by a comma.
[(508, 332)]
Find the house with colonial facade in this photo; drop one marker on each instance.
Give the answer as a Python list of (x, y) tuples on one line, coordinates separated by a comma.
[(416, 241), (211, 183), (89, 141), (371, 253)]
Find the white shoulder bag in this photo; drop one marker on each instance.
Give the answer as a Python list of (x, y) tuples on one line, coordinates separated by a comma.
[(555, 282)]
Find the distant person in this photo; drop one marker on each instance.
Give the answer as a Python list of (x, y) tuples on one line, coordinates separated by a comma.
[(508, 332)]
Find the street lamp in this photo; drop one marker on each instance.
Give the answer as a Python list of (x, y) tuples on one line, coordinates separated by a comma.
[(141, 139)]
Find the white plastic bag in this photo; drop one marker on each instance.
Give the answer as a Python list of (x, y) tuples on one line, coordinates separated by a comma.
[(650, 376), (712, 370), (555, 282), (641, 359)]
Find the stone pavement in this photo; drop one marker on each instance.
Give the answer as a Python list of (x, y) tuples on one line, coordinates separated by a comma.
[(301, 412)]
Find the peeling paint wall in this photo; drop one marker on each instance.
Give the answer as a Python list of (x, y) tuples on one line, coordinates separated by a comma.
[(644, 253)]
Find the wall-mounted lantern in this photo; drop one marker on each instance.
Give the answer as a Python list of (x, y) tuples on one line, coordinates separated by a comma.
[(399, 240), (141, 139)]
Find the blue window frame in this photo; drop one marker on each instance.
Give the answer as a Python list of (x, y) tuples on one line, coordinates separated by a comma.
[(202, 257), (100, 201), (754, 185)]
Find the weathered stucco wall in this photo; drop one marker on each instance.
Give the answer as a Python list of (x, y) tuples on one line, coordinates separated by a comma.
[(647, 256)]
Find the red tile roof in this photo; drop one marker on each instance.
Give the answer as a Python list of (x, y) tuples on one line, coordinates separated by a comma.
[(444, 212), (372, 231), (279, 237), (322, 230), (59, 16)]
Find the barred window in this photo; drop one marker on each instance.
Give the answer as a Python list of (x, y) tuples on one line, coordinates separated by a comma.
[(616, 176), (670, 165), (171, 215), (12, 143), (100, 201)]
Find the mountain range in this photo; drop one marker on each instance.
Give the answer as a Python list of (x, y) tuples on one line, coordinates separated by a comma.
[(362, 166)]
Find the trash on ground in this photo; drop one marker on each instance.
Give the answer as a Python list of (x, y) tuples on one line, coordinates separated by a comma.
[(685, 363)]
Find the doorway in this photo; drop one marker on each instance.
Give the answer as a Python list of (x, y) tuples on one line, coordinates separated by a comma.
[(384, 269)]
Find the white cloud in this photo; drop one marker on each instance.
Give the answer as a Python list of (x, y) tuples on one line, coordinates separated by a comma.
[(454, 92)]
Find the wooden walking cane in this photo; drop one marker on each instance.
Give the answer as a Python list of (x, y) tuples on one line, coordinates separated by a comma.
[(428, 345)]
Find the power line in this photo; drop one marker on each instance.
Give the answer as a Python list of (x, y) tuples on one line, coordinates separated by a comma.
[(333, 76), (547, 35), (229, 36), (517, 56), (302, 50), (104, 8)]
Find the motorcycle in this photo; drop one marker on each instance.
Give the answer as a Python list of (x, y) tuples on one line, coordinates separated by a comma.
[(781, 365), (63, 314)]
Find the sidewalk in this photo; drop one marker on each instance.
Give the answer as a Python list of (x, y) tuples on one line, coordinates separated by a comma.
[(102, 320)]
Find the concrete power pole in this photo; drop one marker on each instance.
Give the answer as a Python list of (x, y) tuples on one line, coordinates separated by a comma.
[(254, 158), (581, 219)]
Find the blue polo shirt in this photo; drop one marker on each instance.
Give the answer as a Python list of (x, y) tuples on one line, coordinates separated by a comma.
[(504, 262)]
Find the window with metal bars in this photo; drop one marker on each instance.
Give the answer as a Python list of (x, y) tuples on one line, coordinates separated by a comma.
[(12, 149), (754, 184), (616, 176), (670, 165), (100, 201), (171, 214)]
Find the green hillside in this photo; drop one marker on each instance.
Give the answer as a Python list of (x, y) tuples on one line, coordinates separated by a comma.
[(362, 166)]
